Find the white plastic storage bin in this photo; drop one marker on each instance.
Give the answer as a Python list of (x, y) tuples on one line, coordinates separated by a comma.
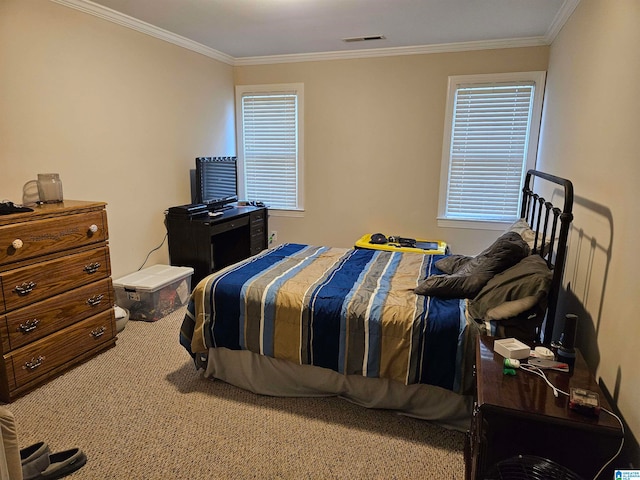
[(154, 292)]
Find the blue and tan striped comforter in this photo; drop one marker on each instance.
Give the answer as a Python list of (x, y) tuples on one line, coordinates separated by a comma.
[(350, 310)]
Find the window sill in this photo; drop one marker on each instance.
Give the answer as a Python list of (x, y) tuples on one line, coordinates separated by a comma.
[(474, 224), (286, 213)]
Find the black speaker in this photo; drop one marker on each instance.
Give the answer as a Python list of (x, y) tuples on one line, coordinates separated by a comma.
[(568, 337), (566, 350)]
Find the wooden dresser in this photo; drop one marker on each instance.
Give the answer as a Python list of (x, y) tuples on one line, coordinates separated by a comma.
[(56, 292)]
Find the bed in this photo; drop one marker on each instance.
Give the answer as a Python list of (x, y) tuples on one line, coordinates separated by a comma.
[(388, 330)]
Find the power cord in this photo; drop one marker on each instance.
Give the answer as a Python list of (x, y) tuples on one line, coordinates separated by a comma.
[(619, 448), (538, 371), (149, 254)]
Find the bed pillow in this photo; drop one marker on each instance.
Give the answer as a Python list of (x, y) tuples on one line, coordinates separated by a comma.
[(452, 286), (514, 291), (452, 263), (472, 273), (522, 228)]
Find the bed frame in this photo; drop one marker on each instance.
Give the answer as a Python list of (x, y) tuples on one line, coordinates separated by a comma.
[(543, 217)]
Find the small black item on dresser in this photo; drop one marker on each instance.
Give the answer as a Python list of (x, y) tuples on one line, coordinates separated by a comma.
[(7, 208)]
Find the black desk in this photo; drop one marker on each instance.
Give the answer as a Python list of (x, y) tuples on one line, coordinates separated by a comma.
[(210, 243)]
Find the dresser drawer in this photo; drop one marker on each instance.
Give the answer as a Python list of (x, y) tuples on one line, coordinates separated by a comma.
[(27, 364), (258, 217), (257, 229), (257, 244), (32, 239), (30, 323), (227, 225), (27, 285)]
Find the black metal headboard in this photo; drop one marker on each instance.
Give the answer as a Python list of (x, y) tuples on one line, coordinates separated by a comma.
[(545, 219)]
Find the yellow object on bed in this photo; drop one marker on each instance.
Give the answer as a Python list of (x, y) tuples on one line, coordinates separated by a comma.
[(427, 247)]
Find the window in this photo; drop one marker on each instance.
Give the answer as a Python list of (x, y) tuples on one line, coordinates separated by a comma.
[(490, 141), (270, 151)]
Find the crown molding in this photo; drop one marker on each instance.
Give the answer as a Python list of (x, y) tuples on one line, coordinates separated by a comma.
[(105, 13), (394, 51), (567, 8), (110, 15)]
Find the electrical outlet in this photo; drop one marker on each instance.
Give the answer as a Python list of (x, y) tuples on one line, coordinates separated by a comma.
[(273, 239)]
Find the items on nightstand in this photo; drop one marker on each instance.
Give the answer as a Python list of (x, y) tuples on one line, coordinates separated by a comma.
[(511, 348), (510, 366), (511, 363), (566, 350), (538, 403), (584, 401), (543, 352), (545, 364)]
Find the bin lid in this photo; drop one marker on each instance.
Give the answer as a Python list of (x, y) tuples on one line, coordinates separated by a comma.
[(153, 278)]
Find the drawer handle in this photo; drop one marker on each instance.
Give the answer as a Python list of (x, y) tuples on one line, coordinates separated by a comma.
[(95, 300), (17, 244), (25, 288), (99, 332), (28, 326), (92, 267), (93, 228), (34, 363)]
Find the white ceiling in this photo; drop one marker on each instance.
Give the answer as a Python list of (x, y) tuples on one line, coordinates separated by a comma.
[(246, 29)]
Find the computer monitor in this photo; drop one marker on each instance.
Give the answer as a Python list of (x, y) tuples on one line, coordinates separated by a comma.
[(216, 181)]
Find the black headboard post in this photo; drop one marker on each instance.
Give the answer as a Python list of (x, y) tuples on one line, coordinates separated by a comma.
[(534, 216)]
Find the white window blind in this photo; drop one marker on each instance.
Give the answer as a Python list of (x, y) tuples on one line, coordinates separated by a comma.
[(489, 149), (270, 148)]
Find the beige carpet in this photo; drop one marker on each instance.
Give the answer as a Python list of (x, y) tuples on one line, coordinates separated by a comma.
[(141, 411)]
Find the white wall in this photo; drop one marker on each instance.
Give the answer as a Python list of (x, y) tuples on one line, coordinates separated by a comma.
[(591, 134), (373, 142), (118, 114)]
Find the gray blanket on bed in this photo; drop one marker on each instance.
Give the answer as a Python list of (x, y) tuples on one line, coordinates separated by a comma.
[(466, 276)]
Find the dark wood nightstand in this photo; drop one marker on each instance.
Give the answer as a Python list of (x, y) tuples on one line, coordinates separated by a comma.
[(519, 415)]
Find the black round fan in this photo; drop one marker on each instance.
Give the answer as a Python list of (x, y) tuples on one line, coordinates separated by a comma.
[(529, 467)]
